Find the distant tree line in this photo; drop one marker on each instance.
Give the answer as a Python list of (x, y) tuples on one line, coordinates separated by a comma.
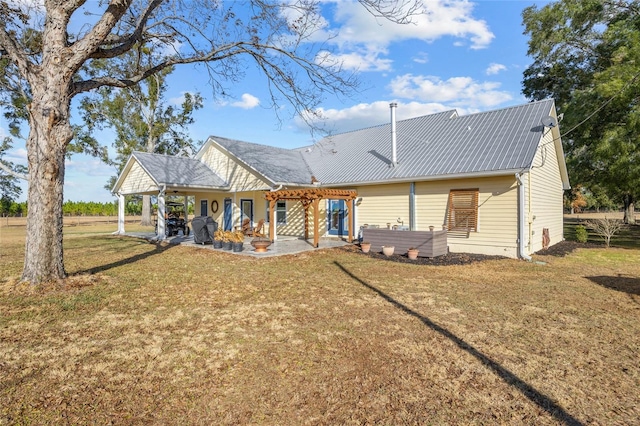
[(74, 208)]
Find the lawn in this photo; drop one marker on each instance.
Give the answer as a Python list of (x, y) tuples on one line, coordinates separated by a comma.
[(143, 333)]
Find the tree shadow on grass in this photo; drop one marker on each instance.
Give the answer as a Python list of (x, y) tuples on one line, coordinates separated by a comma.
[(159, 249), (535, 396), (626, 284)]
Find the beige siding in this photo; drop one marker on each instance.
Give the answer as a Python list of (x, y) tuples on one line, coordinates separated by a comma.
[(544, 193), (295, 220), (138, 181), (259, 206), (497, 211), (497, 214), (383, 204), (238, 176)]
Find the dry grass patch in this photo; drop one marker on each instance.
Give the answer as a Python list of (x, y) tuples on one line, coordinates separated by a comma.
[(177, 335)]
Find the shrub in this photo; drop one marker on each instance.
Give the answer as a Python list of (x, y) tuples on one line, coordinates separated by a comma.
[(581, 234), (605, 228)]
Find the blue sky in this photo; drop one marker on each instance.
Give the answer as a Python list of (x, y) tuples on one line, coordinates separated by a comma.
[(467, 55)]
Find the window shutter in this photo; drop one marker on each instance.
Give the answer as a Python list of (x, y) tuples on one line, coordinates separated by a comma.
[(462, 211)]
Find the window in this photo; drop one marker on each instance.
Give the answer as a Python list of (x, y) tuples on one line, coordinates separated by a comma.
[(462, 210), (281, 212)]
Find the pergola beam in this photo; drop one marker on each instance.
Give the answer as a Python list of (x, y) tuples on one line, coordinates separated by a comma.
[(311, 197)]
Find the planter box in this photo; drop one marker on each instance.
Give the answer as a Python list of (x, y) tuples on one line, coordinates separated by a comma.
[(430, 243)]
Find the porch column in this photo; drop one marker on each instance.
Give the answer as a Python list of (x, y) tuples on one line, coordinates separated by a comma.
[(161, 222), (186, 214), (351, 204), (272, 222), (121, 203), (306, 204), (316, 222)]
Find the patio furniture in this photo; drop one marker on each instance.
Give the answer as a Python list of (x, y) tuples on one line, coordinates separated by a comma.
[(257, 232)]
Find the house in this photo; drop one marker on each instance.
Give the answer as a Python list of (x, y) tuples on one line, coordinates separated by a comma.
[(494, 180)]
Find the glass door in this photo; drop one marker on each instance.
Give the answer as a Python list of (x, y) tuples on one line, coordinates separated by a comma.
[(337, 219)]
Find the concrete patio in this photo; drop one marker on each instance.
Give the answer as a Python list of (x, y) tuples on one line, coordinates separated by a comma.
[(284, 245)]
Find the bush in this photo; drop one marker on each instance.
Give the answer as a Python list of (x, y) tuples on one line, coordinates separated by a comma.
[(581, 234)]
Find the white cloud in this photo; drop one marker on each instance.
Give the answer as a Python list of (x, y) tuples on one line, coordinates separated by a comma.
[(362, 40), (455, 90), (248, 102), (179, 100), (421, 58), (440, 19), (495, 68), (357, 61), (369, 114)]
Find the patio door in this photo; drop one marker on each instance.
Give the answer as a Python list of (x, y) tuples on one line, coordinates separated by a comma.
[(337, 218), (228, 221), (203, 207), (246, 211)]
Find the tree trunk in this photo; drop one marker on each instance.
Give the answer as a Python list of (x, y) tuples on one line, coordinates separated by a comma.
[(49, 134), (146, 211), (629, 211)]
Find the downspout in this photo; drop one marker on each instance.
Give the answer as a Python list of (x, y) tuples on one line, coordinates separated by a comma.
[(412, 206), (521, 220)]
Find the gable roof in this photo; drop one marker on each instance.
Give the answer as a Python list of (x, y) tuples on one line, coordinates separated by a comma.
[(173, 171), (277, 165), (437, 146)]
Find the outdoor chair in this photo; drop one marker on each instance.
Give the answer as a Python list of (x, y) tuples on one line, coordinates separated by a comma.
[(246, 226), (257, 231)]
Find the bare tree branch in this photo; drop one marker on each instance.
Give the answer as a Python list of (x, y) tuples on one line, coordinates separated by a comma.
[(10, 171)]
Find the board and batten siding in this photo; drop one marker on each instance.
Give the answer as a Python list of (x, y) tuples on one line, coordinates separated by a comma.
[(138, 181), (239, 177), (497, 214), (544, 195)]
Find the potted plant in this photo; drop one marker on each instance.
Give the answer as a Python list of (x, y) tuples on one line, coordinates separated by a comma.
[(226, 240), (412, 253), (237, 241), (365, 246), (387, 250), (217, 238)]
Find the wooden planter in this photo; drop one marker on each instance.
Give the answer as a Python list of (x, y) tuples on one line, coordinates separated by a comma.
[(429, 243)]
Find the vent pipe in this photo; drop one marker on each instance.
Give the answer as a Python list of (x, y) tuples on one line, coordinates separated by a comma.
[(394, 159)]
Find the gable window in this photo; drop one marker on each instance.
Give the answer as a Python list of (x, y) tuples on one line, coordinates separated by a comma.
[(462, 210)]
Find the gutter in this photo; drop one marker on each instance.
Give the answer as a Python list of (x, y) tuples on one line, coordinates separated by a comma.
[(521, 220)]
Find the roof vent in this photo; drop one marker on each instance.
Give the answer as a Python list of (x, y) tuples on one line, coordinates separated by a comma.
[(394, 159)]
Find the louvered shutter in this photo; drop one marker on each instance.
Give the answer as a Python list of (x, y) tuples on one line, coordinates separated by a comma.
[(462, 211)]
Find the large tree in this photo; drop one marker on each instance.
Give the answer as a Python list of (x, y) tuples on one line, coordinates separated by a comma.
[(49, 48), (587, 56), (142, 119)]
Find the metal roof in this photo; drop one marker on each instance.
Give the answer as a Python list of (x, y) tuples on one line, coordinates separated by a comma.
[(178, 171), (433, 146), (279, 165)]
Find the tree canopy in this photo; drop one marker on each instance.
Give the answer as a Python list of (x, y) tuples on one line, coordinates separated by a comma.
[(48, 52), (587, 56)]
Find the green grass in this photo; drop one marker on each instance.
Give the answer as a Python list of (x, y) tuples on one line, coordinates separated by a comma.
[(628, 237), (158, 334)]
